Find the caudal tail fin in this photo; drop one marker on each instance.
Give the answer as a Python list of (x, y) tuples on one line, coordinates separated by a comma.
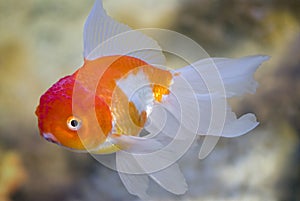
[(198, 102), (210, 82), (201, 91)]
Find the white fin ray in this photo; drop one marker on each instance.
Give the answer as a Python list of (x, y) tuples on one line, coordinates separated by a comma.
[(162, 122), (103, 36), (236, 74), (240, 126), (171, 179), (133, 170), (136, 184), (231, 127)]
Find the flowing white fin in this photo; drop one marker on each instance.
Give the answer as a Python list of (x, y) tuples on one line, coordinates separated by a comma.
[(233, 126), (104, 36), (134, 175), (211, 82), (230, 126), (236, 74), (237, 77), (171, 179), (136, 184)]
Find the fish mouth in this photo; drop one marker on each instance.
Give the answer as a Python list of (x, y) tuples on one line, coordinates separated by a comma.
[(49, 137)]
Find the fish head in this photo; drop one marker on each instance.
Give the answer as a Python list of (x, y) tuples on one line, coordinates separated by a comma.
[(79, 122)]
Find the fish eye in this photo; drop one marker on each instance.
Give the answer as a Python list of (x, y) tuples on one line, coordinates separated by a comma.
[(74, 123)]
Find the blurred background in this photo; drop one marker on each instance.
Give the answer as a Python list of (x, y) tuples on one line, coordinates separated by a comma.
[(41, 41)]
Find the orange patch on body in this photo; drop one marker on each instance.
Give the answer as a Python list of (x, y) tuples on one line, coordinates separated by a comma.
[(137, 118), (159, 92)]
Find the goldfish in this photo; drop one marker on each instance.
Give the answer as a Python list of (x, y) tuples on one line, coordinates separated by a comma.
[(114, 103)]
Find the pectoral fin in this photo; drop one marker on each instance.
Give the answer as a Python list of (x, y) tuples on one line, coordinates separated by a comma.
[(135, 144)]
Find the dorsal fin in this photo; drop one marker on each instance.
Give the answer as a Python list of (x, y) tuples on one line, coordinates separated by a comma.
[(103, 36)]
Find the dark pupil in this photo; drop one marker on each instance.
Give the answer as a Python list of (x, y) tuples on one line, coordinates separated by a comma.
[(74, 123)]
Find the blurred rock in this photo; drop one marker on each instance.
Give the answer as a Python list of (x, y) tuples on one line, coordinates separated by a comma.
[(219, 26), (12, 174)]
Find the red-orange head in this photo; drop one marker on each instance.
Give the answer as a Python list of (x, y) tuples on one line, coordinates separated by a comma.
[(77, 124)]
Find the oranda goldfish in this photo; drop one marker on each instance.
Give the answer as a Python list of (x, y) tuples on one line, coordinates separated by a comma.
[(98, 108)]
